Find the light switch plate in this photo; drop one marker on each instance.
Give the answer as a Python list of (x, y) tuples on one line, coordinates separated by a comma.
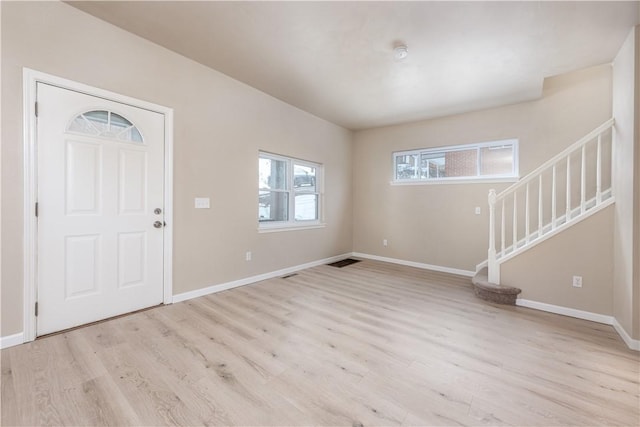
[(477, 210), (202, 203)]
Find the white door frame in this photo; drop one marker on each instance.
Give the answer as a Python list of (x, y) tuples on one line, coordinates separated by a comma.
[(30, 79)]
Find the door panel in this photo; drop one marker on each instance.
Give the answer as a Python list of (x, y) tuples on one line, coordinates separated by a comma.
[(83, 178), (132, 258), (100, 177), (133, 182), (82, 261)]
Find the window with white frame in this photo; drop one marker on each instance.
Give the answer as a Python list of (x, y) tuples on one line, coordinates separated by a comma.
[(288, 191), (494, 160)]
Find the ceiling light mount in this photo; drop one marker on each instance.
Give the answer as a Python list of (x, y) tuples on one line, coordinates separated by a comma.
[(400, 52)]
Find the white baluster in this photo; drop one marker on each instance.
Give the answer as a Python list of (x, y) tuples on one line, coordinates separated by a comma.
[(515, 221), (599, 171), (502, 230), (526, 215), (553, 198), (540, 206), (583, 179), (568, 212), (612, 191)]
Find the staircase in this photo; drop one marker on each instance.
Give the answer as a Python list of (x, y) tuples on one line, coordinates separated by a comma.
[(563, 191)]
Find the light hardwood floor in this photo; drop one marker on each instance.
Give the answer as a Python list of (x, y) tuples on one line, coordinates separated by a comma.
[(368, 344)]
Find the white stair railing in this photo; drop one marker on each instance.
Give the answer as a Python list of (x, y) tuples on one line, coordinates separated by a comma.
[(575, 183)]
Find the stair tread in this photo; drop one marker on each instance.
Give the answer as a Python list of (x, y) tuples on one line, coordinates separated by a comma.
[(481, 280)]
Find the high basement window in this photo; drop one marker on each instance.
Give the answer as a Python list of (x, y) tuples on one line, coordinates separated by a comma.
[(487, 161)]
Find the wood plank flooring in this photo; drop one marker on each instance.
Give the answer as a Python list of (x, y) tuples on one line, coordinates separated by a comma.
[(368, 344)]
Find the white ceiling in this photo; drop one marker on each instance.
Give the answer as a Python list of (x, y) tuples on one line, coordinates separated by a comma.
[(335, 59)]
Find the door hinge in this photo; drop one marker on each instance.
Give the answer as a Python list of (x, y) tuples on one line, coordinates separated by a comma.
[(36, 209), (36, 309), (36, 108)]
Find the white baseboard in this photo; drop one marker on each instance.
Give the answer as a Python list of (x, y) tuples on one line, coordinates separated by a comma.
[(246, 281), (11, 340), (565, 311), (17, 339), (586, 315), (416, 264), (631, 343)]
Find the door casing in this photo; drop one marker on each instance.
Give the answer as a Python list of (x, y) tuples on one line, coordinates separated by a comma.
[(30, 179)]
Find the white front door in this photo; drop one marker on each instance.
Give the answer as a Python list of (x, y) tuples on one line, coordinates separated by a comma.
[(100, 208)]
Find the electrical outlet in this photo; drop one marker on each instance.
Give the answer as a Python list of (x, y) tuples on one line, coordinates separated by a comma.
[(478, 210), (248, 256), (385, 243), (577, 281)]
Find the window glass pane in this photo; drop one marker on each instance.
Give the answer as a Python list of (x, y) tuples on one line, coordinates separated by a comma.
[(496, 160), (481, 161), (273, 206), (272, 174), (306, 207), (407, 166), (130, 134), (124, 129), (461, 163), (99, 119), (432, 165), (289, 191), (304, 178), (82, 125), (118, 122)]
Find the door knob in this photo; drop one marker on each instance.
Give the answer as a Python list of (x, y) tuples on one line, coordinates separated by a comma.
[(157, 224)]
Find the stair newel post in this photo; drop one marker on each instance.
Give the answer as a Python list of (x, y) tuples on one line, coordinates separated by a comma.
[(492, 264)]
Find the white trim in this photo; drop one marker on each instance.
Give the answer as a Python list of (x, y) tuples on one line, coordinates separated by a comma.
[(30, 228), (291, 223), (253, 279), (168, 206), (421, 265), (11, 340), (509, 177), (465, 180), (565, 311), (30, 80), (580, 314), (289, 227), (631, 343)]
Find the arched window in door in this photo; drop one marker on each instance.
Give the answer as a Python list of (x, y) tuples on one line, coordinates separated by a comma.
[(105, 124)]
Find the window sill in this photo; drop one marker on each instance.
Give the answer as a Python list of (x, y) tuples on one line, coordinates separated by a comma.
[(457, 181), (289, 227)]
